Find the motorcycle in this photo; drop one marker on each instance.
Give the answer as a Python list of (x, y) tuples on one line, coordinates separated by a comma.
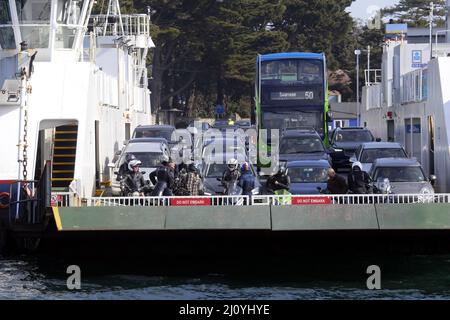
[(283, 196)]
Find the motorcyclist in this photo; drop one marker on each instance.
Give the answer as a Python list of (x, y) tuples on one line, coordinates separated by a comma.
[(231, 174), (123, 169), (193, 181), (358, 180), (134, 179), (336, 184), (279, 181), (247, 180), (164, 179)]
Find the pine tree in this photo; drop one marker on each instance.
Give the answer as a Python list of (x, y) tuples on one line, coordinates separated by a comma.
[(416, 12)]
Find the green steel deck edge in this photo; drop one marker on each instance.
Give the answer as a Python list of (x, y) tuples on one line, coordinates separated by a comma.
[(433, 216), (275, 218)]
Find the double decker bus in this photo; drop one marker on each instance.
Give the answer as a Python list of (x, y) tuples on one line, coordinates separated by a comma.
[(292, 92)]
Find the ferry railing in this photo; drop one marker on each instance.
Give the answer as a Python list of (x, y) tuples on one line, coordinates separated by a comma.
[(133, 25), (214, 201), (350, 199), (67, 199), (63, 199)]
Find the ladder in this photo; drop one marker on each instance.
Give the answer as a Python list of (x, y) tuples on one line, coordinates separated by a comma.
[(64, 155)]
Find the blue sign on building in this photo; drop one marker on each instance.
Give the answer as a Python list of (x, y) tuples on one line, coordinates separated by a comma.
[(415, 128), (417, 56)]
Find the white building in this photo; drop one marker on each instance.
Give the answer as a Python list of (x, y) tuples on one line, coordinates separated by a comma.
[(411, 104)]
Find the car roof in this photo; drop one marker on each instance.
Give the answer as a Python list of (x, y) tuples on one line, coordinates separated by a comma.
[(309, 163), (381, 145), (226, 156), (144, 147), (396, 162), (300, 133), (351, 128), (156, 127), (148, 140)]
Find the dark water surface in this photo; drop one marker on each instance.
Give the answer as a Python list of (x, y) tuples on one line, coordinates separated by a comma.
[(403, 277)]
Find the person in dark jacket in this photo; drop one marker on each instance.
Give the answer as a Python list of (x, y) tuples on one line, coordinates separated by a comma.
[(247, 180), (134, 179), (358, 180), (279, 181), (164, 179), (336, 184)]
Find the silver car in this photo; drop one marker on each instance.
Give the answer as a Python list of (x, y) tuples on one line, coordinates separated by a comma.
[(404, 176), (368, 152), (149, 151)]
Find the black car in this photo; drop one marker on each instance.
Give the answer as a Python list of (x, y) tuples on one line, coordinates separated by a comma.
[(343, 144), (302, 144)]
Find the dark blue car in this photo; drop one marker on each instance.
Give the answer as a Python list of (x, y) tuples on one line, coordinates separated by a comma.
[(308, 176), (302, 145)]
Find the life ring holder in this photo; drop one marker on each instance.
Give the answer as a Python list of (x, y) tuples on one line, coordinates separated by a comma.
[(2, 196)]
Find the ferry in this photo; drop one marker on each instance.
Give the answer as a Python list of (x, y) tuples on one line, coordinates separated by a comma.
[(74, 86)]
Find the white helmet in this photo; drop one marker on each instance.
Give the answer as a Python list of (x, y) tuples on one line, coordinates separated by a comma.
[(134, 163), (232, 164), (357, 164)]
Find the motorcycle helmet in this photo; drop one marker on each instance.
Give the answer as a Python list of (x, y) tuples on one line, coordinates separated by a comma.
[(232, 164), (245, 167), (193, 168), (357, 165), (129, 157), (134, 163), (165, 160), (283, 170)]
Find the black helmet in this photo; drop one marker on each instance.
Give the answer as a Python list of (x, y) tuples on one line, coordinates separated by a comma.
[(192, 168), (282, 169)]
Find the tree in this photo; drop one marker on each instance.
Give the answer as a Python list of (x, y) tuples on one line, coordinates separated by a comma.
[(416, 13)]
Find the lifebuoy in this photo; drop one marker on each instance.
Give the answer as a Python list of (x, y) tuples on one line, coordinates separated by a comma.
[(4, 195)]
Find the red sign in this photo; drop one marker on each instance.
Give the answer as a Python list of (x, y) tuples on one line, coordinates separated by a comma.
[(187, 202), (298, 201)]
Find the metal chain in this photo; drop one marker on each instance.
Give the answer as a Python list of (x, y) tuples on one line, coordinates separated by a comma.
[(25, 132), (25, 145)]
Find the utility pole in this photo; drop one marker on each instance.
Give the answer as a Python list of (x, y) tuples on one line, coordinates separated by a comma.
[(368, 66), (431, 28), (358, 53)]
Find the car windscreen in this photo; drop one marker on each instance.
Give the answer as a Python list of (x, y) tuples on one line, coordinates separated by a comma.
[(308, 175), (294, 145), (370, 155), (400, 174), (142, 133), (148, 159), (353, 136), (216, 170)]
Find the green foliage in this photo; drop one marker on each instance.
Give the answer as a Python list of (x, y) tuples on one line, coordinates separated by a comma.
[(206, 49), (416, 12)]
